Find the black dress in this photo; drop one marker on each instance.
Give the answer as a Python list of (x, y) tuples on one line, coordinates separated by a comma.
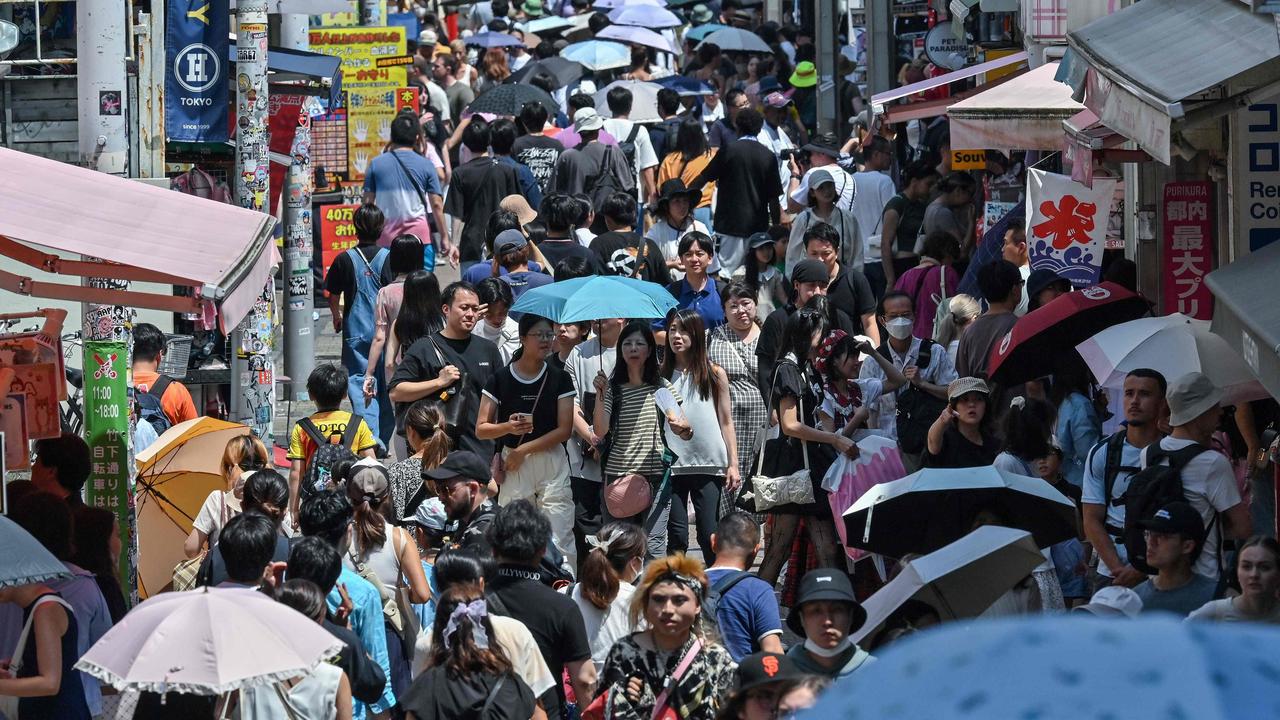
[(436, 696), (69, 702), (785, 454)]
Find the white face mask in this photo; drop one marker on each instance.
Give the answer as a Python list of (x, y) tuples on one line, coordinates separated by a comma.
[(820, 651), (900, 328)]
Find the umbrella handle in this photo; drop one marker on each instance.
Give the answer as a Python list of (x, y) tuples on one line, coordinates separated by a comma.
[(866, 527)]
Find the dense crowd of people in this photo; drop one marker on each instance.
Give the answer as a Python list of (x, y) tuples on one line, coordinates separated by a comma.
[(503, 516)]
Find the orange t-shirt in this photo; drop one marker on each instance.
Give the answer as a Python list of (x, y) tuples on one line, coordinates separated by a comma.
[(176, 401)]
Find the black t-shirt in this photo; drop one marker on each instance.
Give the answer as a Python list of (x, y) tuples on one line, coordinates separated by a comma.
[(341, 279), (474, 356), (366, 678), (435, 695), (770, 343), (552, 618), (623, 253), (557, 250), (538, 397), (910, 218), (747, 172), (850, 291), (539, 153), (475, 192), (958, 452)]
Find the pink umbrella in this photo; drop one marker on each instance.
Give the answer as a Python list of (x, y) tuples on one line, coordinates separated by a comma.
[(880, 462), (208, 642)]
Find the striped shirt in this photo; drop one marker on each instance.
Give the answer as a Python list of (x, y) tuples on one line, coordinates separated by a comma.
[(637, 435)]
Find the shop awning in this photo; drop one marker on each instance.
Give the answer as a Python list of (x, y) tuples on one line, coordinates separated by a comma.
[(1157, 65), (1025, 113), (299, 72), (1246, 313), (879, 100), (151, 234)]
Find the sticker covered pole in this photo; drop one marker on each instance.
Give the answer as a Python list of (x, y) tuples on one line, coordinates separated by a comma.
[(299, 337)]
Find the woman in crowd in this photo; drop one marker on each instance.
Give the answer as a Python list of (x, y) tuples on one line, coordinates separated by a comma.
[(802, 445), (96, 547), (959, 437), (493, 69), (44, 679), (952, 211), (964, 310), (604, 590), (1258, 571), (640, 68), (639, 673), (903, 215), (322, 694), (405, 257), (697, 252), (424, 429), (266, 493), (243, 455), (527, 407), (569, 335), (932, 281), (383, 554), (846, 398), (822, 209), (800, 695), (759, 272), (470, 675), (707, 464), (686, 163), (733, 348), (636, 446), (673, 220), (497, 326), (1079, 428), (418, 316)]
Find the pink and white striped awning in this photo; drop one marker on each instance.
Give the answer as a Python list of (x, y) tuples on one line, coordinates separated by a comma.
[(1025, 113)]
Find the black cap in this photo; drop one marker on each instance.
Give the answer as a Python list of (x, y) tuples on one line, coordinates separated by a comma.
[(810, 270), (764, 668), (826, 584), (1040, 279), (826, 144), (759, 240), (1176, 517), (460, 463)]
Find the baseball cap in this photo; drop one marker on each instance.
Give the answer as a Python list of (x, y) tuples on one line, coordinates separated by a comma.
[(1113, 601), (759, 240), (966, 385), (368, 478), (587, 119), (821, 176), (509, 241), (825, 584), (764, 668), (460, 463), (1190, 396), (776, 100), (810, 270), (430, 515), (428, 37), (1176, 517)]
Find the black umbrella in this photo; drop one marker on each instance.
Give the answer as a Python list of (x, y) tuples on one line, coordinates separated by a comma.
[(566, 72), (509, 99)]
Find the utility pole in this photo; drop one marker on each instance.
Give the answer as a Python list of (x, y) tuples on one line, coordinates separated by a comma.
[(252, 369), (101, 48), (299, 337), (880, 46)]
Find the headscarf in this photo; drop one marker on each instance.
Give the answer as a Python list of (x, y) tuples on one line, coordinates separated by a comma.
[(846, 402)]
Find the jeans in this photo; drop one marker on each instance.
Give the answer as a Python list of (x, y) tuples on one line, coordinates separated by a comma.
[(705, 492)]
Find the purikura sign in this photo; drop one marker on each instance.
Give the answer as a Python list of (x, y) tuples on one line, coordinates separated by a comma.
[(1067, 225), (1188, 249)]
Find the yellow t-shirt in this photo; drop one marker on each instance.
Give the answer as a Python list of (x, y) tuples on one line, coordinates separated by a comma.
[(301, 446)]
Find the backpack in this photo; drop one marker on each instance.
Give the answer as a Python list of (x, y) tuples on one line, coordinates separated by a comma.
[(605, 183), (1150, 489), (149, 407), (318, 475), (628, 145), (717, 591), (916, 409)]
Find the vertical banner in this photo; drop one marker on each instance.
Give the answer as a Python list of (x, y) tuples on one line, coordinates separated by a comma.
[(1188, 249), (195, 81), (106, 430), (371, 91), (1067, 225)]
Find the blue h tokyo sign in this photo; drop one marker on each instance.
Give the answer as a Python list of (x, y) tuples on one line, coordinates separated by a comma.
[(196, 97)]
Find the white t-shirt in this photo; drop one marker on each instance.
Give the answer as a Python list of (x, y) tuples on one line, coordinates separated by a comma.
[(1022, 304), (1210, 487), (507, 337), (217, 510), (584, 361), (620, 128), (872, 191), (1224, 610), (605, 627), (1094, 487), (515, 639), (844, 188), (941, 371), (668, 238)]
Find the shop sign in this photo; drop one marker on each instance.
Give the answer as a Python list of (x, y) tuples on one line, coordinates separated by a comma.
[(1256, 178), (337, 232), (106, 430), (968, 159), (195, 81), (944, 49), (1188, 249), (1067, 225)]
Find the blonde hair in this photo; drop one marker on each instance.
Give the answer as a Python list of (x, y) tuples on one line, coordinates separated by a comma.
[(963, 309), (243, 450), (661, 570)]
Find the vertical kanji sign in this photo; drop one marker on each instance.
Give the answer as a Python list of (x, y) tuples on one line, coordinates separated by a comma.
[(1067, 225), (1188, 249), (106, 430)]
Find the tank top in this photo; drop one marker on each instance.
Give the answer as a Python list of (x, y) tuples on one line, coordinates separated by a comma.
[(69, 702), (383, 561), (705, 453), (314, 697)]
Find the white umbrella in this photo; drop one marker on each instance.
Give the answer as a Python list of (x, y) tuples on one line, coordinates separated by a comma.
[(24, 560), (644, 100), (1174, 345), (736, 40), (960, 580)]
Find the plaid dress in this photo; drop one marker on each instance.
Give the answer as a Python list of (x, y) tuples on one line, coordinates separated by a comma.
[(739, 361)]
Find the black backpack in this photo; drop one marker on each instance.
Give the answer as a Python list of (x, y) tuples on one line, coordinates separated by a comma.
[(916, 409), (628, 145), (605, 183), (1150, 489), (1115, 452), (717, 591), (318, 475), (150, 407)]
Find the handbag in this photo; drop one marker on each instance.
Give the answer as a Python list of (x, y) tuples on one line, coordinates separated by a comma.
[(453, 402), (768, 492)]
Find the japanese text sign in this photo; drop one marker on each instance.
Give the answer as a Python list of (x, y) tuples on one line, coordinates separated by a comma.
[(106, 430), (370, 90), (1067, 225), (337, 232), (1188, 249)]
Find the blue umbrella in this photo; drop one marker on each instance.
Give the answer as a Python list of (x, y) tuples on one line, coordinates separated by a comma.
[(685, 86), (25, 561), (702, 31), (548, 24), (650, 16), (598, 54), (595, 298), (488, 39), (1066, 666)]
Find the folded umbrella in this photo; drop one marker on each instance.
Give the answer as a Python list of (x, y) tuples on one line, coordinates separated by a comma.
[(685, 86), (490, 39), (644, 100), (637, 36), (1154, 667), (566, 72), (644, 15), (509, 99), (208, 642), (1037, 341), (960, 580), (598, 54), (596, 298), (1174, 345), (733, 39), (176, 473), (936, 506), (700, 32), (24, 560)]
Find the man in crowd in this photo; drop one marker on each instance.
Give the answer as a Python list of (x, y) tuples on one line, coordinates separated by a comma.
[(1001, 284), (1174, 536), (747, 613), (247, 544), (444, 69), (723, 131), (462, 482), (826, 612), (642, 159), (534, 149), (848, 288), (621, 250), (502, 141), (476, 190), (1015, 251), (810, 278), (61, 468), (595, 355), (148, 352), (398, 181), (775, 134), (663, 134), (591, 159), (873, 189), (454, 360), (558, 213)]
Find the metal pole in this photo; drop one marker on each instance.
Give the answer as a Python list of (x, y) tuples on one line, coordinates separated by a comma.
[(371, 13), (252, 370), (299, 338), (101, 47), (824, 38), (880, 46)]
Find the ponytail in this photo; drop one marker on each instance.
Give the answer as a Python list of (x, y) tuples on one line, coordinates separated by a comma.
[(600, 575), (428, 422), (367, 488)]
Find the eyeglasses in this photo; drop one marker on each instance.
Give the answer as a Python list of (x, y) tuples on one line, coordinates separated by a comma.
[(542, 335)]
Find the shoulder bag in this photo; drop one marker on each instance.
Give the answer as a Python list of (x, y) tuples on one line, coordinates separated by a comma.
[(767, 492), (453, 401), (8, 703)]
